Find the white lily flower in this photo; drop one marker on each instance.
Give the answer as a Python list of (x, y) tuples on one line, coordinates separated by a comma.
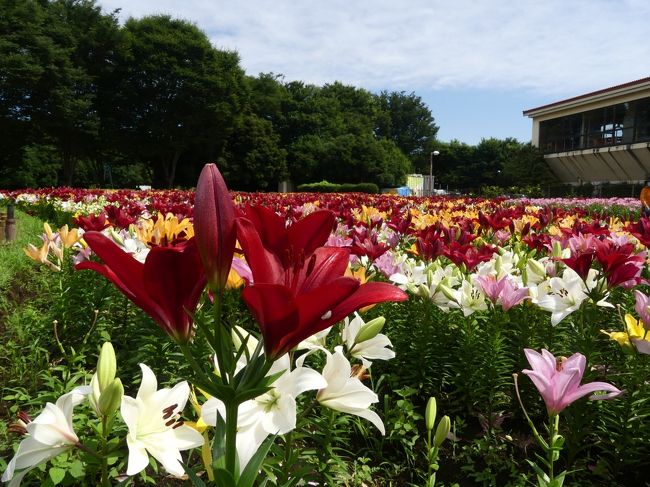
[(499, 265), (414, 274), (470, 298), (49, 435), (274, 412), (562, 296), (154, 425), (373, 348), (346, 393), (316, 341)]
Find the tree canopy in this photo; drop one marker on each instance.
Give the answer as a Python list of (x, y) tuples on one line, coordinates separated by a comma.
[(85, 101)]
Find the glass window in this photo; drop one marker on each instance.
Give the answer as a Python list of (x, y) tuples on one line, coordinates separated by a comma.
[(624, 123)]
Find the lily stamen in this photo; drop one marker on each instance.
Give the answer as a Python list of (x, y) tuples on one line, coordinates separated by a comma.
[(24, 417), (168, 412)]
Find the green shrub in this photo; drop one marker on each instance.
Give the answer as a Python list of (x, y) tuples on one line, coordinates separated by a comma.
[(327, 187)]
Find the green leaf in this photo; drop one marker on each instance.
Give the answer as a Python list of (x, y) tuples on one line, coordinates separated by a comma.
[(542, 477), (193, 477), (249, 474), (57, 475), (558, 481), (223, 478), (77, 469)]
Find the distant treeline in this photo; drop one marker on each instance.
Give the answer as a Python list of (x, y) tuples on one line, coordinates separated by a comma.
[(87, 102)]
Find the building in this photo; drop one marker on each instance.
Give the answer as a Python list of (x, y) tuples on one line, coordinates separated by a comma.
[(599, 137)]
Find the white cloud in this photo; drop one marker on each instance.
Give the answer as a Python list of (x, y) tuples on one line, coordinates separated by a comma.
[(551, 47)]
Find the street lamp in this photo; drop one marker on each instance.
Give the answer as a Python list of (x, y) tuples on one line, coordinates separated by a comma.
[(431, 180)]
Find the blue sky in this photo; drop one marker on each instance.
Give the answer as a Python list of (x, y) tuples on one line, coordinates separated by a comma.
[(477, 64)]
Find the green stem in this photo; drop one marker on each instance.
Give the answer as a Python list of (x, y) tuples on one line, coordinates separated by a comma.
[(84, 448), (219, 346), (232, 408), (325, 446), (288, 453), (55, 325), (104, 451), (553, 422)]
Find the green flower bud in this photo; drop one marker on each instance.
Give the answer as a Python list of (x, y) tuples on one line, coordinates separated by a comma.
[(498, 264), (370, 329), (111, 397), (536, 267), (448, 292), (106, 366), (430, 415), (443, 429), (116, 237)]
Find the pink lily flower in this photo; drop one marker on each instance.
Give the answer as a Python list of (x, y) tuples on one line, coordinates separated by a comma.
[(558, 380), (511, 295), (502, 291), (642, 307), (491, 286)]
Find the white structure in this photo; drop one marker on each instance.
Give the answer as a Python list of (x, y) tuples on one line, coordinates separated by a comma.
[(603, 136)]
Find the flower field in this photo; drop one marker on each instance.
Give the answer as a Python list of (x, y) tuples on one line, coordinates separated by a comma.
[(241, 339)]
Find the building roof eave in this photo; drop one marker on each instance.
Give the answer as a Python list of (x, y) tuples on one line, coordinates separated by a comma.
[(618, 90)]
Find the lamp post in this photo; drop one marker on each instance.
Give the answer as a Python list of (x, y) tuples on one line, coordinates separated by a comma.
[(431, 180)]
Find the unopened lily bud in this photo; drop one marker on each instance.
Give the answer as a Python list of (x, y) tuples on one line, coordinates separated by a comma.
[(443, 429), (214, 226), (106, 366), (57, 251), (498, 264), (536, 268), (430, 415), (116, 237), (370, 329), (48, 231), (448, 292), (111, 397)]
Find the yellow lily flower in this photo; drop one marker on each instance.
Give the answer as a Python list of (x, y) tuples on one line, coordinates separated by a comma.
[(68, 237), (164, 229), (200, 426), (39, 255), (48, 231), (234, 280), (634, 330)]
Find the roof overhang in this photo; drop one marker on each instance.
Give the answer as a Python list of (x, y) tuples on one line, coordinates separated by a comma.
[(606, 95), (603, 165)]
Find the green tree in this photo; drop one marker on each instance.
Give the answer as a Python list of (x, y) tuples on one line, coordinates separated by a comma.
[(406, 120), (253, 159), (51, 58), (176, 94)]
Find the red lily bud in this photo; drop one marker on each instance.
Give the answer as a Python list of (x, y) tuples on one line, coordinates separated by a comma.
[(214, 226)]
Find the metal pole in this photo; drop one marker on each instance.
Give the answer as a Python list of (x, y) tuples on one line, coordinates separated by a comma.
[(430, 173), (10, 225), (431, 180)]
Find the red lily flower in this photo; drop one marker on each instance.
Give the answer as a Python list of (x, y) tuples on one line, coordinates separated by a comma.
[(496, 221), (306, 292), (468, 254), (580, 263), (641, 230), (296, 242), (166, 286), (368, 245), (118, 217), (430, 244), (620, 265), (214, 226), (92, 222)]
